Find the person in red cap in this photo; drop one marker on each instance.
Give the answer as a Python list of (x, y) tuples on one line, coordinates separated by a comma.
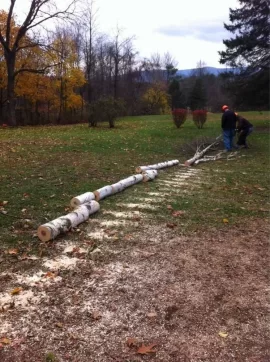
[(228, 125)]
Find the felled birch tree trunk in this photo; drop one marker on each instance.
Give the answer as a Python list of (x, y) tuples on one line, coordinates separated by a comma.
[(82, 199), (149, 175), (199, 154), (103, 192), (157, 166), (63, 224)]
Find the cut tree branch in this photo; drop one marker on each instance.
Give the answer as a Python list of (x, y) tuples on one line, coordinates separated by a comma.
[(200, 153)]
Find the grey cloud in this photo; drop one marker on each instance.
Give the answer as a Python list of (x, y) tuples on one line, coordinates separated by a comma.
[(213, 32)]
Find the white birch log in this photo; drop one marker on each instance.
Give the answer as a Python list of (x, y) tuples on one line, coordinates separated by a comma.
[(117, 187), (63, 224), (157, 166), (82, 199), (149, 175), (103, 192), (200, 154), (123, 184), (131, 180)]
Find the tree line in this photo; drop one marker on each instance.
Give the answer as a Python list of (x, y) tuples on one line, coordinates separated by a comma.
[(56, 76)]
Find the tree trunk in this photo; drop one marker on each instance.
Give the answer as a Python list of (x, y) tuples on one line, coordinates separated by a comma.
[(1, 106), (115, 81), (82, 199), (11, 100), (65, 223), (157, 166)]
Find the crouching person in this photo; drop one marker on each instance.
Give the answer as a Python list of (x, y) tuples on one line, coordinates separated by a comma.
[(244, 128)]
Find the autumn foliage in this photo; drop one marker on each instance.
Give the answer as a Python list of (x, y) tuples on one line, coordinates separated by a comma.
[(50, 94), (179, 116), (155, 100), (199, 117)]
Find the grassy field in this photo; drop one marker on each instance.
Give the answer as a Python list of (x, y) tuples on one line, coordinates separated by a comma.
[(181, 265), (42, 168)]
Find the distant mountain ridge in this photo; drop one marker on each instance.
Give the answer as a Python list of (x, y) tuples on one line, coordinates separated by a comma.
[(209, 70)]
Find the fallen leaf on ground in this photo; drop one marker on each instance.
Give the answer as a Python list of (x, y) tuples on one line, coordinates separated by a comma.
[(3, 203), (262, 209), (171, 225), (96, 315), (13, 251), (178, 213), (152, 315), (131, 342), (76, 249), (259, 188), (223, 334), (16, 291), (146, 349), (225, 221), (59, 325), (5, 340), (49, 275)]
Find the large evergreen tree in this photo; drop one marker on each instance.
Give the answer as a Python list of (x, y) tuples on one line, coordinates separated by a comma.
[(197, 98), (248, 50), (176, 95)]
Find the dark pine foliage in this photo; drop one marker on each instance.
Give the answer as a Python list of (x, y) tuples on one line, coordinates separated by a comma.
[(248, 50), (197, 98), (176, 95)]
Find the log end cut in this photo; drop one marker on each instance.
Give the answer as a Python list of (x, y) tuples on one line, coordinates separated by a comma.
[(44, 233), (138, 170), (75, 202), (97, 195)]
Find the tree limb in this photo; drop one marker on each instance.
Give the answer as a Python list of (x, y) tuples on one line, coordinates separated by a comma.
[(38, 71)]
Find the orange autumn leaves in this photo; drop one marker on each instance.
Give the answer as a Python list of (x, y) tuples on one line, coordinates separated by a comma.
[(62, 75)]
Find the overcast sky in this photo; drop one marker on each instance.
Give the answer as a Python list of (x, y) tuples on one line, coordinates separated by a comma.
[(190, 30)]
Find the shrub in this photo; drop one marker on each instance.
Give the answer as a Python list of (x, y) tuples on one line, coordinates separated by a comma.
[(179, 116), (105, 110), (155, 100), (199, 117)]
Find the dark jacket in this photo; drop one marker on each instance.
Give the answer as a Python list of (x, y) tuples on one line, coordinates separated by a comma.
[(243, 124), (228, 120)]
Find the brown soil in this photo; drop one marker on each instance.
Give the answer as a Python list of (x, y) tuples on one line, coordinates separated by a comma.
[(178, 292)]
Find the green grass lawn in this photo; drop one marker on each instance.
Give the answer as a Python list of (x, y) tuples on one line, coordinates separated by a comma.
[(42, 168)]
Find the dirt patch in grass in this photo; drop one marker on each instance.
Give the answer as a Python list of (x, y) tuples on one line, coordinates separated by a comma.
[(198, 298), (262, 129)]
